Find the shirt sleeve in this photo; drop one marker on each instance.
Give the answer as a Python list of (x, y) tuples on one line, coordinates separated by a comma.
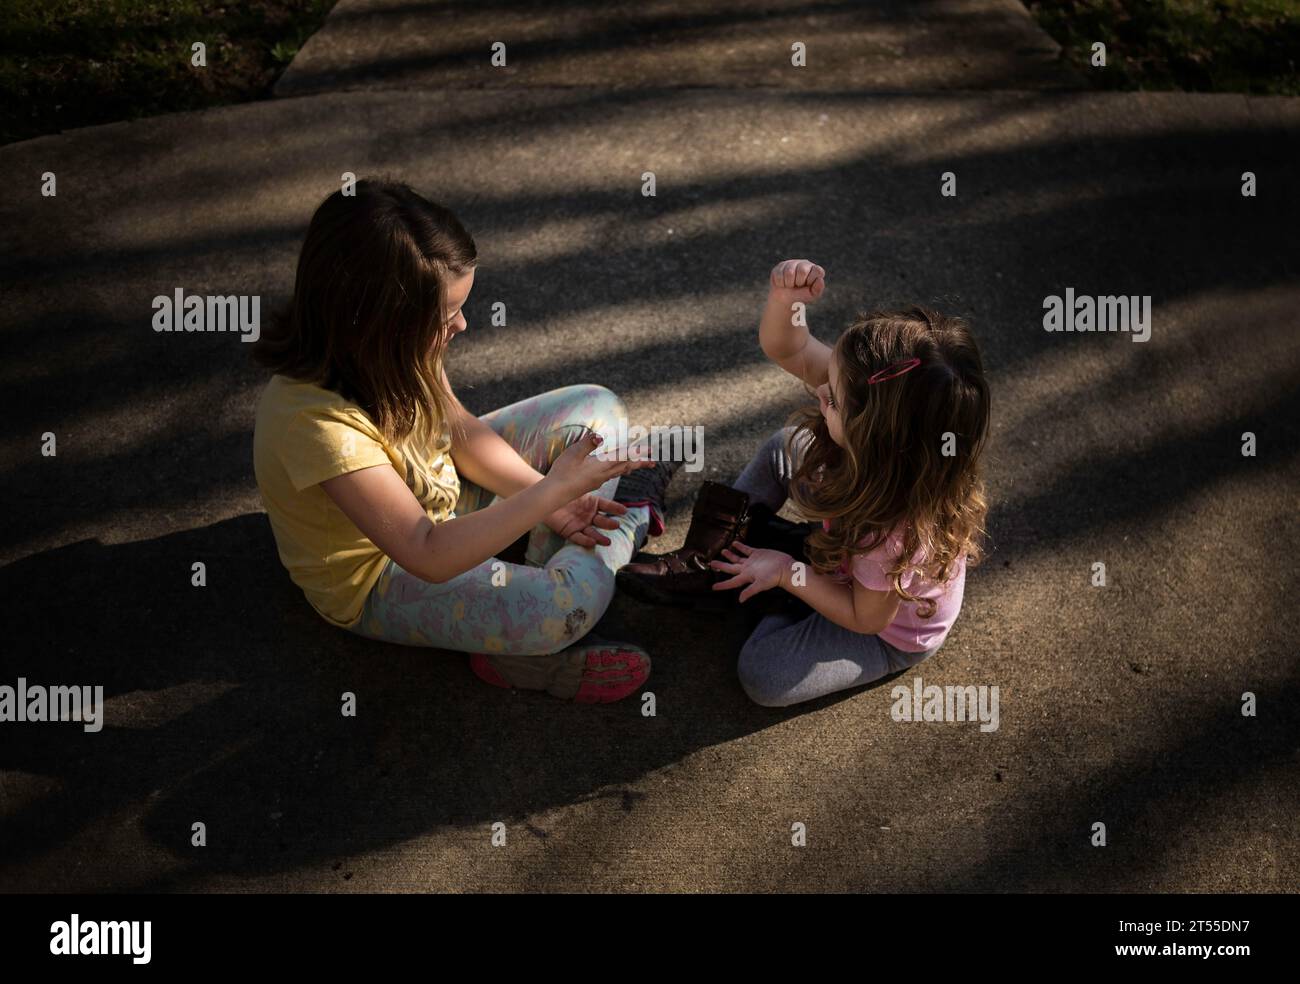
[(321, 445), (871, 569)]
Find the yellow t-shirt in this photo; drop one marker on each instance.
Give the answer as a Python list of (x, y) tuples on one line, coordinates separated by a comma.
[(305, 434)]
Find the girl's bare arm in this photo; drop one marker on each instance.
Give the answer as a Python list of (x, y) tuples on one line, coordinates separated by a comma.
[(388, 514), (484, 457), (789, 344), (850, 606)]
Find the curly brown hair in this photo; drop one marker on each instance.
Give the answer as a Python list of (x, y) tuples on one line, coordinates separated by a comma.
[(892, 470)]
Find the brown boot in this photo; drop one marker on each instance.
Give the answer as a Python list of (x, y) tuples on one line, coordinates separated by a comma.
[(684, 577)]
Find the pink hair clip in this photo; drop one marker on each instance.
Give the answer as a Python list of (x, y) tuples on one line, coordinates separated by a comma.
[(894, 370)]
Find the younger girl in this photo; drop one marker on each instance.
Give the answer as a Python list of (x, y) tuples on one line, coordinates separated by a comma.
[(380, 485), (889, 463)]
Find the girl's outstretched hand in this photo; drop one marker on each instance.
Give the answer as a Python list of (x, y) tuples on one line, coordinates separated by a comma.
[(798, 280), (760, 569), (581, 520)]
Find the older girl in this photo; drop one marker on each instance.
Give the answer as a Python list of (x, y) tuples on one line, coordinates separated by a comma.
[(390, 502)]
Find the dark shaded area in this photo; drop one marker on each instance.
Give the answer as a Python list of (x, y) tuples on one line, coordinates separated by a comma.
[(66, 64), (1227, 46), (271, 766)]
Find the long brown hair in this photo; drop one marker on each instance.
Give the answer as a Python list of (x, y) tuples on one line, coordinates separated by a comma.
[(892, 470), (369, 310)]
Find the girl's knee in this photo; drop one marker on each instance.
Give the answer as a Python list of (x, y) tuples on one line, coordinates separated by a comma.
[(573, 410), (596, 403), (569, 603), (758, 679), (784, 449), (560, 629)]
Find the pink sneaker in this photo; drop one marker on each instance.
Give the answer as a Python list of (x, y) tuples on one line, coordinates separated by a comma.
[(593, 671)]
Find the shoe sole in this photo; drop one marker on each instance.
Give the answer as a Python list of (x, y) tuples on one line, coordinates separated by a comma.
[(609, 672)]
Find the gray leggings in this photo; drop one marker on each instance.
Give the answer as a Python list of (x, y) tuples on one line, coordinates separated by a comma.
[(788, 660)]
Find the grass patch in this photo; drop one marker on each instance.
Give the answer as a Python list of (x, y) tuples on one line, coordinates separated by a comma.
[(1193, 45), (70, 63)]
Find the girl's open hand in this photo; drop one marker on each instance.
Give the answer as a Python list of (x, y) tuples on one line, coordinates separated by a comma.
[(798, 280), (581, 520), (760, 569)]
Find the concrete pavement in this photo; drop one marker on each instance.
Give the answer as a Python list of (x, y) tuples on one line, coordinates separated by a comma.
[(1118, 704)]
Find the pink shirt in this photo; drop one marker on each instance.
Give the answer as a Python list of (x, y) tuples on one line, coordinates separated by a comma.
[(908, 631)]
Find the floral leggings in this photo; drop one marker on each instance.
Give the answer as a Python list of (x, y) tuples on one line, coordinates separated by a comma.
[(543, 605)]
